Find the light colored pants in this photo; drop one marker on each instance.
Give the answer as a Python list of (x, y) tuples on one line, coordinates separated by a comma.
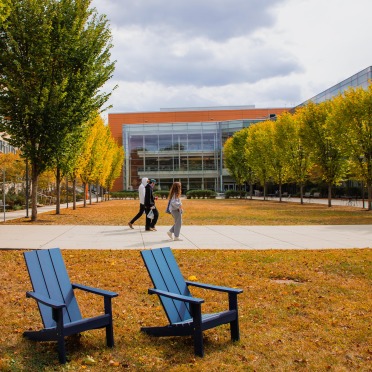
[(176, 228)]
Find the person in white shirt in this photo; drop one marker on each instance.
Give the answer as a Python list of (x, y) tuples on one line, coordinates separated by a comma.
[(141, 195)]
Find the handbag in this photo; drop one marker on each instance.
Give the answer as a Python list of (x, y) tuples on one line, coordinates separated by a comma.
[(150, 215), (168, 207)]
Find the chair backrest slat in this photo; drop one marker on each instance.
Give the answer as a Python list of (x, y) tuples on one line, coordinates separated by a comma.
[(166, 275), (49, 277)]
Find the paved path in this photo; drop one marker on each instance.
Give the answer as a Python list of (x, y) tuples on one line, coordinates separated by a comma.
[(194, 237)]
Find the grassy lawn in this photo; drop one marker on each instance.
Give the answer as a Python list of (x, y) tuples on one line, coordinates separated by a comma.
[(300, 310), (211, 212)]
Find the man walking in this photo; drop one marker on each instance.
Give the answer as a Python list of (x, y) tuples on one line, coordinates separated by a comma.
[(141, 195), (150, 205)]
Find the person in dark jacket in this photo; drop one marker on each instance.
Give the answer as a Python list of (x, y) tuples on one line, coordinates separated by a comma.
[(150, 205), (141, 195)]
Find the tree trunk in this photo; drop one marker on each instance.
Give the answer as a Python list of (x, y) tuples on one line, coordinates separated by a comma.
[(369, 188), (329, 195), (74, 194), (97, 195), (85, 194), (66, 191), (90, 194), (251, 190), (58, 184), (280, 192), (302, 193), (34, 181)]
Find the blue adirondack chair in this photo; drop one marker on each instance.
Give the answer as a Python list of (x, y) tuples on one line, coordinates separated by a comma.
[(58, 307), (184, 311)]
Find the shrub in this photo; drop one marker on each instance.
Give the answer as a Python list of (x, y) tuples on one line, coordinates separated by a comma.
[(124, 195), (201, 194), (161, 194), (235, 194)]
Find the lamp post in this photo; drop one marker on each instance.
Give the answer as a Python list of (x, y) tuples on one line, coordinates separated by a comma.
[(27, 188), (4, 193)]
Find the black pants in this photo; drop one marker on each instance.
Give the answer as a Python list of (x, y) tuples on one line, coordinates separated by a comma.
[(139, 214), (151, 223)]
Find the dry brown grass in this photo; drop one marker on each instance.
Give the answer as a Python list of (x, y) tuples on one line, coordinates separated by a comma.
[(211, 212), (318, 319), (300, 310)]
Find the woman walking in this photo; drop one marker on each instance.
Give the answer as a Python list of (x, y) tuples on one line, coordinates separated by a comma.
[(175, 208)]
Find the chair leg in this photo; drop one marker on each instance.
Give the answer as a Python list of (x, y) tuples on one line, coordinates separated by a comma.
[(61, 350), (234, 325), (58, 317), (234, 330), (109, 327), (198, 332)]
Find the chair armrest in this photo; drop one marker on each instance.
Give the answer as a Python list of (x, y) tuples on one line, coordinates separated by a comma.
[(45, 300), (97, 291), (214, 287), (191, 300)]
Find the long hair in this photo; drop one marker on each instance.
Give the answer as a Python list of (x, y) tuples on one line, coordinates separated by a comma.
[(175, 190)]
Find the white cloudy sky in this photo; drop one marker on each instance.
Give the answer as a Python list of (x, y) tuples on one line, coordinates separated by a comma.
[(197, 53)]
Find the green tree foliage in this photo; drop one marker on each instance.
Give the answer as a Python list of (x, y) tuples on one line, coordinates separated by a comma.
[(278, 159), (354, 113), (295, 154), (259, 151), (322, 139), (54, 59), (236, 158)]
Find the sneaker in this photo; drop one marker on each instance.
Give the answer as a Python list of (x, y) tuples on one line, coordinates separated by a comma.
[(170, 235), (130, 225), (152, 229), (178, 239)]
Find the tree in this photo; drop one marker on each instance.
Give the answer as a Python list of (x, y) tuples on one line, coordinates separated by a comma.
[(94, 151), (296, 154), (259, 151), (354, 112), (54, 59), (236, 158), (278, 159), (323, 142), (116, 165)]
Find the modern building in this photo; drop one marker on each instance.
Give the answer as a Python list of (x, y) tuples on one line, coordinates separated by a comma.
[(360, 79), (180, 144), (186, 144), (5, 148)]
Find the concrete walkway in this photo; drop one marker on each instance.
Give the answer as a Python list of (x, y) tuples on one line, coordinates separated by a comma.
[(194, 237)]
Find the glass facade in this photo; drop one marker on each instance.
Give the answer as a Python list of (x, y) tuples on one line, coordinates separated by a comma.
[(361, 79), (192, 152), (5, 148), (187, 152)]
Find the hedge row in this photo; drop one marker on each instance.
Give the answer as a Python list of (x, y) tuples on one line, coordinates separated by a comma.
[(161, 194), (235, 194), (124, 195), (201, 194)]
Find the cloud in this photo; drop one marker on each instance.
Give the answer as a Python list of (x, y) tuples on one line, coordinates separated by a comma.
[(200, 62), (269, 53), (212, 19), (195, 43)]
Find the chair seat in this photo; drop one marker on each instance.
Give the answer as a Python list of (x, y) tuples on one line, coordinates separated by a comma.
[(57, 304), (184, 311)]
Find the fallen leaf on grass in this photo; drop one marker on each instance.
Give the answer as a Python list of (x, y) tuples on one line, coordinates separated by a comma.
[(89, 361)]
